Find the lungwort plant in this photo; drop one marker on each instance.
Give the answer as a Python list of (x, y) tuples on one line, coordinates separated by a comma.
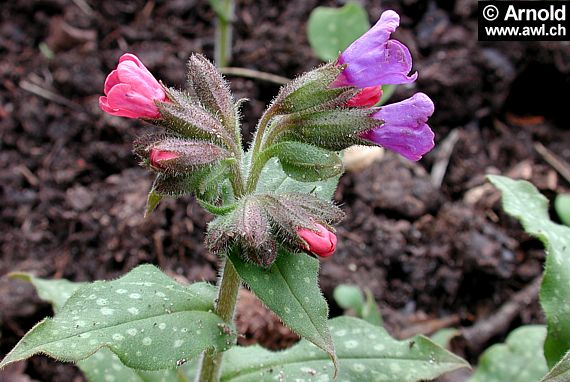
[(273, 221)]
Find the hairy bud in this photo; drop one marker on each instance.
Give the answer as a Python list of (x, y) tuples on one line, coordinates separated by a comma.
[(321, 242), (194, 122), (176, 155), (210, 89), (312, 90), (248, 226), (329, 129)]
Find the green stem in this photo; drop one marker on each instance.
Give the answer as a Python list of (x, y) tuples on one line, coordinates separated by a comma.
[(256, 168), (257, 148), (226, 302), (224, 32), (236, 179), (260, 130)]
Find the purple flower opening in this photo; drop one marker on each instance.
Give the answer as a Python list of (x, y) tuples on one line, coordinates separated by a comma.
[(374, 59), (404, 130)]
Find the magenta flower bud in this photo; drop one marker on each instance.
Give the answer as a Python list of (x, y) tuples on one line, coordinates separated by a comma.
[(374, 59), (367, 97), (158, 156), (322, 243), (404, 129), (131, 90)]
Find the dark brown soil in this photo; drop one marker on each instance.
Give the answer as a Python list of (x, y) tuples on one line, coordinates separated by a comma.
[(72, 195)]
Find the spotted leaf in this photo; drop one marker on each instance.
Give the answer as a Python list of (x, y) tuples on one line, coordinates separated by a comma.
[(290, 289), (56, 292), (147, 319), (274, 179), (560, 372), (105, 366), (523, 201), (365, 353), (519, 359)]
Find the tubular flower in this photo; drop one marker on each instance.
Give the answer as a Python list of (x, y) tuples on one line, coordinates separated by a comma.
[(131, 90), (374, 59), (404, 128), (157, 156), (322, 243)]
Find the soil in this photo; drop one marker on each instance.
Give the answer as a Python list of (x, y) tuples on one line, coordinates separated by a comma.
[(72, 195)]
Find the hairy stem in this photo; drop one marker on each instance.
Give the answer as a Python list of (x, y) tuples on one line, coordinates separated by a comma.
[(256, 168), (226, 302), (260, 131), (257, 149), (224, 32), (236, 179)]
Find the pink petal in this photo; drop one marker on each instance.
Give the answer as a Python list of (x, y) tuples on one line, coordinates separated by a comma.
[(158, 156), (104, 105), (140, 80), (111, 80), (322, 243), (123, 97), (145, 75), (367, 97)]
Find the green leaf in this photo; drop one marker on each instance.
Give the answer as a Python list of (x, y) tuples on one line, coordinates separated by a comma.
[(562, 207), (274, 179), (523, 201), (332, 30), (221, 9), (152, 201), (520, 359), (105, 366), (147, 319), (370, 311), (365, 352), (56, 292), (350, 297), (307, 163), (290, 289), (444, 336), (560, 372)]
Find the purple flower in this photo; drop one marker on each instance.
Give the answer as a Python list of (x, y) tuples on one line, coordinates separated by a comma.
[(404, 129), (374, 59)]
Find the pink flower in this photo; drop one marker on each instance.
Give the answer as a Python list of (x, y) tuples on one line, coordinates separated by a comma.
[(130, 90), (367, 97), (322, 243), (158, 156)]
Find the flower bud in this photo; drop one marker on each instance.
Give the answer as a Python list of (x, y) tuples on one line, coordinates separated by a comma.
[(367, 97), (157, 156), (247, 225), (131, 90), (322, 242), (177, 155), (207, 85), (313, 90)]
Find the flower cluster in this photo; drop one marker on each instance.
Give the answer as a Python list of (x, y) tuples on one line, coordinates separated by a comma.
[(375, 60), (313, 117)]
